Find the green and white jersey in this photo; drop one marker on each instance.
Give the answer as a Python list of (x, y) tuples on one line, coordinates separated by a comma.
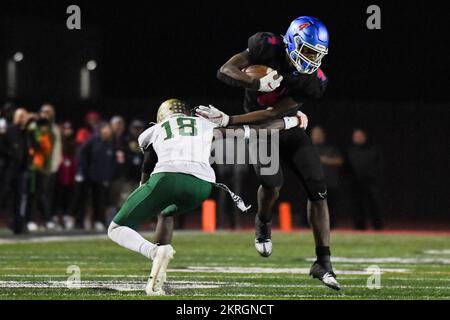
[(183, 144)]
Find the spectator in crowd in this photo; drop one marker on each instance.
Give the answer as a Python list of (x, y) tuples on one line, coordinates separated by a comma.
[(90, 128), (133, 153), (119, 192), (41, 141), (332, 163), (48, 112), (16, 146), (6, 115), (66, 175), (365, 164), (96, 168)]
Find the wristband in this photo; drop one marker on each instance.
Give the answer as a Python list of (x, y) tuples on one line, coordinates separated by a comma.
[(290, 122)]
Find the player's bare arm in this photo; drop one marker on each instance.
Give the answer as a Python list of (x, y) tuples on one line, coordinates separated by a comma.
[(233, 74), (278, 124), (279, 109), (273, 112)]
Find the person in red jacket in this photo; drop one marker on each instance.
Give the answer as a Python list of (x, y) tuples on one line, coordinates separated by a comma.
[(92, 122)]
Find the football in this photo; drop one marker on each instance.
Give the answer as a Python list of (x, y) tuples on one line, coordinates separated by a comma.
[(257, 71)]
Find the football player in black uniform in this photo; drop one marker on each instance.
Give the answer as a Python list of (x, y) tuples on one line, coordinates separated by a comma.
[(296, 78)]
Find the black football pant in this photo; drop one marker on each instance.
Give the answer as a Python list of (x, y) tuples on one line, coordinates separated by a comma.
[(297, 151)]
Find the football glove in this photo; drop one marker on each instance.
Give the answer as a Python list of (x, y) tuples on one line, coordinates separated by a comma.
[(213, 114), (303, 120), (268, 83)]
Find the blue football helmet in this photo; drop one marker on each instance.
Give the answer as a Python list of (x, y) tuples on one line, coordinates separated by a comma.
[(306, 43)]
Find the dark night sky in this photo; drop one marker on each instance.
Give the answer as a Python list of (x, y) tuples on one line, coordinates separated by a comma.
[(145, 46)]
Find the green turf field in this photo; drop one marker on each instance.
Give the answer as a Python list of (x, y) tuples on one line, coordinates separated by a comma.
[(226, 266)]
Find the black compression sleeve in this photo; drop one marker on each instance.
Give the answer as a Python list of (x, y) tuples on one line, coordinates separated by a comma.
[(254, 85), (150, 159)]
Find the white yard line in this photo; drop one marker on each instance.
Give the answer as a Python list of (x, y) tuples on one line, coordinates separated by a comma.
[(180, 285), (253, 270), (246, 270), (441, 251), (200, 276), (77, 237), (388, 260), (45, 239)]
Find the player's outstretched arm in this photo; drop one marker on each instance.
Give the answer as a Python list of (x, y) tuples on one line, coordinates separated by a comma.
[(276, 111), (231, 73), (285, 123)]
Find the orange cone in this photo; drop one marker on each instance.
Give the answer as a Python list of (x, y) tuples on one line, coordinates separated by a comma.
[(209, 216), (285, 216)]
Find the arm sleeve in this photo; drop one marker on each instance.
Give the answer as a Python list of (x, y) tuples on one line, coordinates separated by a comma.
[(150, 159)]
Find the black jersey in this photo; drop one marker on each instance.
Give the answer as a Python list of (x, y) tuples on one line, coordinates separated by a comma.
[(265, 48)]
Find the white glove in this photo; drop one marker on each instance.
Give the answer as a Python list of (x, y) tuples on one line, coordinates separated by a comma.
[(268, 83), (291, 122), (303, 119), (213, 114)]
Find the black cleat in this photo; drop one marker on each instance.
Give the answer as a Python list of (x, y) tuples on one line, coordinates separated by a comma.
[(326, 276)]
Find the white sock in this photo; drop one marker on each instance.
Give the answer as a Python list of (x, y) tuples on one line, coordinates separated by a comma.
[(130, 239)]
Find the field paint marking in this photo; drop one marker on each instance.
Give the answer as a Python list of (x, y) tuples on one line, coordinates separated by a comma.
[(273, 270), (76, 237), (442, 251), (180, 285), (338, 296), (388, 260), (175, 276), (46, 239), (114, 285)]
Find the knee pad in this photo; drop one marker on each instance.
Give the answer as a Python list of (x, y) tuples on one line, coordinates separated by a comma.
[(316, 189)]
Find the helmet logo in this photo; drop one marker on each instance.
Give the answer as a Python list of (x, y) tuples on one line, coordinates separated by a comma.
[(303, 26)]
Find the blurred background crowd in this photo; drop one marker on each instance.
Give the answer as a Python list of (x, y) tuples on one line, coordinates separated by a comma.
[(55, 176)]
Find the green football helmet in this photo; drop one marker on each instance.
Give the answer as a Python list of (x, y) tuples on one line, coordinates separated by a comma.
[(170, 108)]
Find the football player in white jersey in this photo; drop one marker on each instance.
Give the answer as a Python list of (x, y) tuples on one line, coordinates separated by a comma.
[(181, 180)]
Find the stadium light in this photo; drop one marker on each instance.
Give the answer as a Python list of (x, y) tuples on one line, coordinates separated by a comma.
[(91, 65), (18, 56), (11, 74)]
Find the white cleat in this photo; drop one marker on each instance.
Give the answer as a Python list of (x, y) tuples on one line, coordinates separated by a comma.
[(329, 280), (50, 225), (32, 226), (158, 274), (264, 247), (69, 222), (99, 226)]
